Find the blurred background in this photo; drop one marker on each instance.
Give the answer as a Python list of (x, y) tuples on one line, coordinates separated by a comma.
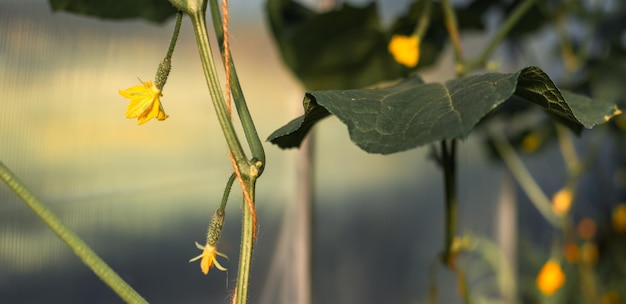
[(142, 195)]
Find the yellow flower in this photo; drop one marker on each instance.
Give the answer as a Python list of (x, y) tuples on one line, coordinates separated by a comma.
[(619, 218), (550, 278), (611, 297), (209, 259), (531, 142), (144, 103), (562, 201), (405, 49)]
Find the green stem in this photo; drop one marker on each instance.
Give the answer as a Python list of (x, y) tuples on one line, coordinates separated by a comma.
[(210, 73), (179, 21), (247, 171), (453, 29), (570, 157), (256, 146), (166, 65), (424, 21), (504, 30), (229, 185), (525, 180), (80, 248), (448, 158), (246, 247)]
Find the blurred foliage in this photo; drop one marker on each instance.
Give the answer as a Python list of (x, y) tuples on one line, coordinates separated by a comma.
[(156, 11), (346, 48), (340, 49), (470, 18)]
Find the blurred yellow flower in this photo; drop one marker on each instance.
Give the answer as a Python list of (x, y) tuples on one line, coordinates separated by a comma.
[(611, 297), (619, 218), (550, 278), (208, 257), (145, 102), (531, 142), (562, 201), (405, 49)]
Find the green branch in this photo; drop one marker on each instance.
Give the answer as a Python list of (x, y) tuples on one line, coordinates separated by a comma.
[(245, 249), (80, 248), (504, 30), (452, 26), (210, 73), (524, 179), (247, 171), (424, 21), (256, 146)]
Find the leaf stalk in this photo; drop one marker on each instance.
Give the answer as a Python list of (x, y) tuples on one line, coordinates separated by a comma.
[(448, 159)]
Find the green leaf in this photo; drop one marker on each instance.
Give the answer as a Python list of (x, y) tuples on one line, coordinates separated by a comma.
[(341, 49), (412, 113), (588, 112), (156, 11), (535, 86), (292, 134)]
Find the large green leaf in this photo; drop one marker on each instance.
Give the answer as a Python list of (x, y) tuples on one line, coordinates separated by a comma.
[(412, 113), (152, 10)]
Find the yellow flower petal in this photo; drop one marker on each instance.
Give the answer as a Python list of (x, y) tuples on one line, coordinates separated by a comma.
[(208, 258), (550, 278), (405, 49), (145, 102)]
